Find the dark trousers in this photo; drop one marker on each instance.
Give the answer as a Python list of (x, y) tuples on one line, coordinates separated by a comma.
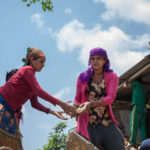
[(109, 138), (137, 121)]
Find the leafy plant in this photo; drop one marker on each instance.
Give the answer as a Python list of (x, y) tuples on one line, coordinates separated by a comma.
[(57, 139), (46, 4)]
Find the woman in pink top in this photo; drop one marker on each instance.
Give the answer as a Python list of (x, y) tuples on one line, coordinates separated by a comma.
[(17, 90), (96, 91)]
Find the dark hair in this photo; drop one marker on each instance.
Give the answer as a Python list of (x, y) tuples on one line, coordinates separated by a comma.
[(139, 79), (10, 74)]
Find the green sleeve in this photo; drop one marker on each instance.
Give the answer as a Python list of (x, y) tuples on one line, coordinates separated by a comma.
[(134, 83)]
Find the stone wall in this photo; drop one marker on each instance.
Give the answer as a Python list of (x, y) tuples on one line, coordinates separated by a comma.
[(122, 111), (77, 142)]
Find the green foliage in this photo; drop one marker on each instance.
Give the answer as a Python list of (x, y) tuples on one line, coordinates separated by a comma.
[(56, 140), (46, 4)]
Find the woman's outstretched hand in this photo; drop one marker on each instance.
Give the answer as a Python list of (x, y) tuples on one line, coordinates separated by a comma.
[(68, 109), (58, 114), (83, 108)]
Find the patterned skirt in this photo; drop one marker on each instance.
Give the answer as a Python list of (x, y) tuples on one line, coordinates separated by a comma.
[(10, 135)]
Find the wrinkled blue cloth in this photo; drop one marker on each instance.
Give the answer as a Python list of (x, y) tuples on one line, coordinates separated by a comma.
[(145, 145)]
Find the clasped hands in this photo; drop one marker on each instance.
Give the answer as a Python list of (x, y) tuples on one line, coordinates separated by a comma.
[(81, 109), (77, 109), (72, 111)]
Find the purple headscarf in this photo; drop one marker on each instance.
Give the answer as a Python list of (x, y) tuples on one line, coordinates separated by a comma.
[(85, 76)]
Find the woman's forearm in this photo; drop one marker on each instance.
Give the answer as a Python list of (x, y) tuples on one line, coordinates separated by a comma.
[(97, 103)]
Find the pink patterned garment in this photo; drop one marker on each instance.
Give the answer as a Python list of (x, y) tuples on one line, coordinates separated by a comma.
[(111, 84)]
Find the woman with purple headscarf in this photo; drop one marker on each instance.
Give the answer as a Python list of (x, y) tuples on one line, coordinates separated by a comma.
[(96, 91)]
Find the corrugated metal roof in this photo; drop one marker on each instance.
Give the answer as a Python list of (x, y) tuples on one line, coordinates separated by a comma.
[(134, 69)]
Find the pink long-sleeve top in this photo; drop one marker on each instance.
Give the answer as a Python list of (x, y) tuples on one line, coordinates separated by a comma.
[(23, 86), (111, 84)]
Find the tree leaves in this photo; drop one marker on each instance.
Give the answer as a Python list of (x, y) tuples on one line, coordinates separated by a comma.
[(57, 139), (46, 4)]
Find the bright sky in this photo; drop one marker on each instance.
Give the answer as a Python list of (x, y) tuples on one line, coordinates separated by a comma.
[(66, 35)]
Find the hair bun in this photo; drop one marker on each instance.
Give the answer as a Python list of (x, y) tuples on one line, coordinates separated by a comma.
[(24, 59)]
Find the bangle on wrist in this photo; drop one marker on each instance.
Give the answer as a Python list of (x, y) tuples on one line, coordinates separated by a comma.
[(102, 102), (91, 105)]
